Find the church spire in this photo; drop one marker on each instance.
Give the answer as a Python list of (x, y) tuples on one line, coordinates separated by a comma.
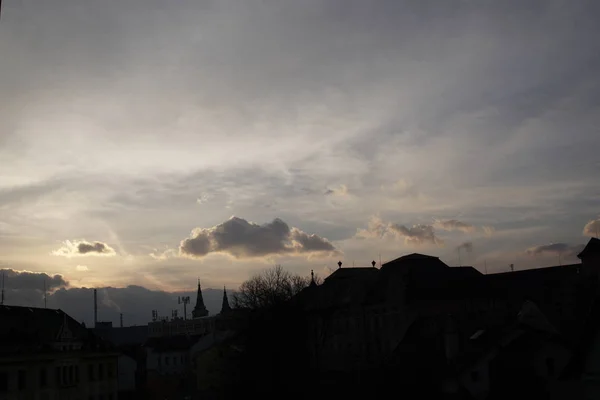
[(312, 279), (200, 309), (225, 306)]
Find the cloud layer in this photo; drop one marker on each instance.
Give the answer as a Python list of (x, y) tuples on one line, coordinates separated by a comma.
[(82, 248), (415, 235), (242, 239), (24, 280), (556, 249)]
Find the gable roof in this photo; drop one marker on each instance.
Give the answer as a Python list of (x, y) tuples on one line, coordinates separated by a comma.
[(36, 329)]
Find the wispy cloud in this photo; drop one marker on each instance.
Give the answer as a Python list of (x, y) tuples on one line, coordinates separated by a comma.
[(341, 190), (556, 249), (454, 225), (414, 235), (466, 246)]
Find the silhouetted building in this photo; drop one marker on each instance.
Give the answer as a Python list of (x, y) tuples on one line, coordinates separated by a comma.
[(453, 330), (225, 309), (200, 309), (44, 353)]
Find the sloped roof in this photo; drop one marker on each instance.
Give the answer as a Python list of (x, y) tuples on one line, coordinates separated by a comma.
[(172, 343), (591, 248), (343, 288), (354, 272), (413, 257), (35, 329), (124, 336)]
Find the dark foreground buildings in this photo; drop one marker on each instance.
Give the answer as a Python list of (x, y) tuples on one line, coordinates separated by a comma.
[(452, 332)]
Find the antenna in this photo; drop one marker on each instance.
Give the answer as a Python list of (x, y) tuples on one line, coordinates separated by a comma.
[(2, 298), (512, 267), (380, 260), (95, 308), (45, 293), (185, 300)]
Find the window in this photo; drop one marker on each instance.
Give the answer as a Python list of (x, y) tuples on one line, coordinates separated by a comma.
[(71, 374), (22, 380), (43, 377), (91, 372), (64, 375), (475, 376), (100, 371), (3, 382), (57, 376)]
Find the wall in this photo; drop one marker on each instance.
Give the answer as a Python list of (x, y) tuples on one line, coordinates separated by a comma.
[(168, 362), (126, 375)]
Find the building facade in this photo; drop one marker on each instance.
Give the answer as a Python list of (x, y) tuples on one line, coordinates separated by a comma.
[(45, 354)]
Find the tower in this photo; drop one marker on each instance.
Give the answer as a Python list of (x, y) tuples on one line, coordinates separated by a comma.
[(200, 309), (225, 306)]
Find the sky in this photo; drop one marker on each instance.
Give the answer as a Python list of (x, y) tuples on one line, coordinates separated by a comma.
[(152, 143)]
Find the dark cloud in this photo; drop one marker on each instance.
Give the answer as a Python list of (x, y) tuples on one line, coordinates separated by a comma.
[(416, 235), (454, 225), (467, 246), (135, 302), (24, 280), (556, 249), (83, 248), (592, 228), (243, 239)]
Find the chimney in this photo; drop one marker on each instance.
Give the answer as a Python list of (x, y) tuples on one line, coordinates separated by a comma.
[(339, 264), (95, 308)]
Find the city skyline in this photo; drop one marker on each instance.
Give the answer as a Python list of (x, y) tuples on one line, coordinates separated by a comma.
[(149, 145)]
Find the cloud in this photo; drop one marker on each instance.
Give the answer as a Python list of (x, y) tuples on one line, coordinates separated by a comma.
[(488, 230), (23, 280), (242, 239), (454, 225), (416, 235), (592, 228), (467, 246), (82, 268), (341, 190), (402, 188), (556, 249), (163, 255), (81, 248)]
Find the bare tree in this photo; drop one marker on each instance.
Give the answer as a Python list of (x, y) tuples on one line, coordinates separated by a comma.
[(269, 288)]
